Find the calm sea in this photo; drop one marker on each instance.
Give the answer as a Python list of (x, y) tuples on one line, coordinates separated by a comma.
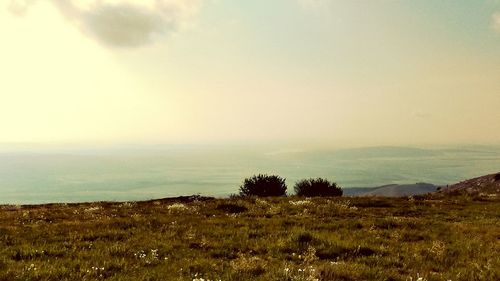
[(125, 174)]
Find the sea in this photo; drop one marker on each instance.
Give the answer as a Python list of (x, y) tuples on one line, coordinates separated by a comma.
[(142, 173)]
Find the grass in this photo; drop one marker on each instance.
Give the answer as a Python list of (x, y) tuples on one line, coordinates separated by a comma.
[(456, 238)]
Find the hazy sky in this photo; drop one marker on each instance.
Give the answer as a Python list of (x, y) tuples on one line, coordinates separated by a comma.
[(183, 71)]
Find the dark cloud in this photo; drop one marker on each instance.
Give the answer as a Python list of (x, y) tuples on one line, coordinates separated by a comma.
[(121, 23), (126, 26)]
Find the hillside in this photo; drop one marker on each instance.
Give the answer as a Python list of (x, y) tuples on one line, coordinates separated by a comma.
[(261, 239), (489, 184), (392, 190)]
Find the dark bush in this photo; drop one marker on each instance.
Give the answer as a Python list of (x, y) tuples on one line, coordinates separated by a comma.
[(304, 238), (497, 177), (232, 208), (263, 185), (317, 187)]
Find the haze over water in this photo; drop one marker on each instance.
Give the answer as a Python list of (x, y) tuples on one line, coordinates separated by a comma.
[(138, 174), (339, 73)]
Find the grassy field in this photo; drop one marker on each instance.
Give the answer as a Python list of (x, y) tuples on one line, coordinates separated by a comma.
[(456, 238)]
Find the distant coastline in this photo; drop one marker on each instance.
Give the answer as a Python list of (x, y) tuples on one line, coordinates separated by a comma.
[(135, 174)]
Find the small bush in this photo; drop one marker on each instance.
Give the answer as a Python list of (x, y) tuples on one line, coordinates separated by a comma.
[(263, 185), (317, 187), (232, 208), (304, 238), (497, 177)]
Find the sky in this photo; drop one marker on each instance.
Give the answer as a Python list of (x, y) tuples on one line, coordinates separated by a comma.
[(219, 71)]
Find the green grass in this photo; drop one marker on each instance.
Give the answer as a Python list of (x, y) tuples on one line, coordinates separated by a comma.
[(254, 239)]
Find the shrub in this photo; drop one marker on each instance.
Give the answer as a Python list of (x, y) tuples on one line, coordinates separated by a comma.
[(317, 187), (304, 238), (497, 177), (263, 185), (232, 208)]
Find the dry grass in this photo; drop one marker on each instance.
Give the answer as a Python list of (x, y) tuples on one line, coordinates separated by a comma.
[(254, 239)]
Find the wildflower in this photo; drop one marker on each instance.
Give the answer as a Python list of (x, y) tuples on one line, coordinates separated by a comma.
[(262, 202), (92, 209), (177, 206), (419, 278), (154, 253), (310, 255), (126, 205), (438, 248), (141, 255), (180, 208), (31, 267), (300, 202)]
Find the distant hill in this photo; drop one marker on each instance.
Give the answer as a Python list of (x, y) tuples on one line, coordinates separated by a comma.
[(357, 191), (386, 152), (392, 190), (489, 184)]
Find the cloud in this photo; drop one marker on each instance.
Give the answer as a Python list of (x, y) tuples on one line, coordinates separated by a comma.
[(495, 22), (19, 7), (122, 23)]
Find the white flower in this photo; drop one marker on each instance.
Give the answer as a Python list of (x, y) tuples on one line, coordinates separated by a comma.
[(92, 209), (300, 202)]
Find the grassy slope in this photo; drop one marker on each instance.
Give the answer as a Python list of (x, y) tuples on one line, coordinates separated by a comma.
[(274, 239)]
